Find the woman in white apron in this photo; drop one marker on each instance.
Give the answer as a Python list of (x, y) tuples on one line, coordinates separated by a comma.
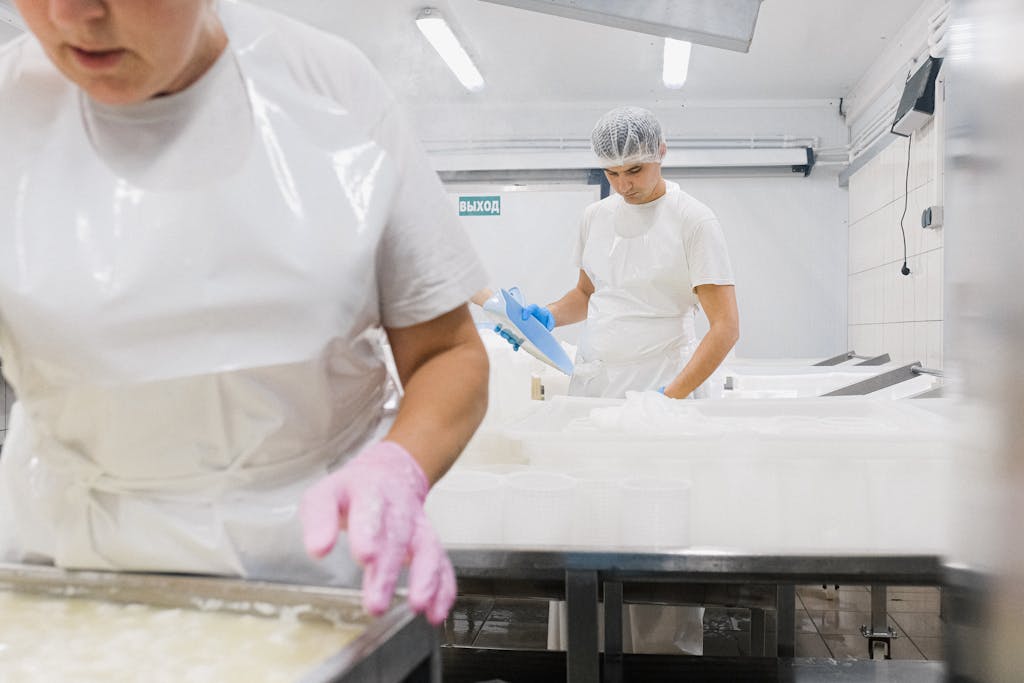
[(648, 256), (210, 216)]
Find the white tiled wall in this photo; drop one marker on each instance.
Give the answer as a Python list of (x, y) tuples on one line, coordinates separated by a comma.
[(887, 311)]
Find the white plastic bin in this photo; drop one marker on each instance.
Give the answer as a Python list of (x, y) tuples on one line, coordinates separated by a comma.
[(597, 507), (538, 509), (655, 513), (796, 474), (465, 507)]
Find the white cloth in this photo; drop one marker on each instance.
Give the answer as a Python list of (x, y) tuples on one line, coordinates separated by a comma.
[(644, 261), (646, 629), (192, 291)]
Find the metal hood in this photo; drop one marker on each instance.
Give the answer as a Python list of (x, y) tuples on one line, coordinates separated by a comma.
[(727, 24)]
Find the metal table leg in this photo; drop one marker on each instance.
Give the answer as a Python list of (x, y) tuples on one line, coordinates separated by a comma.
[(879, 634), (582, 664), (430, 670), (757, 632), (786, 627), (612, 632)]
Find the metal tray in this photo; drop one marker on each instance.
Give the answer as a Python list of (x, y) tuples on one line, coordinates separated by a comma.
[(396, 647)]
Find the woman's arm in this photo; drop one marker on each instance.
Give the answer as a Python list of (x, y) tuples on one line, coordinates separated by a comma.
[(443, 367), (378, 495)]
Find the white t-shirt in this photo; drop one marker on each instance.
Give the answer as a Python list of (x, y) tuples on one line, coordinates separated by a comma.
[(428, 266), (699, 233), (645, 261)]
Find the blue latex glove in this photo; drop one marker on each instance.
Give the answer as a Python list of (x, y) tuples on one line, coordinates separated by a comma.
[(661, 390), (540, 313)]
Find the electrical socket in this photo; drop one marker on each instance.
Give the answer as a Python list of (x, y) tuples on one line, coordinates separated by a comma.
[(931, 218)]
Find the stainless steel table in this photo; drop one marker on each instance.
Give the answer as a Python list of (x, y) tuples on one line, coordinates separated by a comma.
[(694, 576)]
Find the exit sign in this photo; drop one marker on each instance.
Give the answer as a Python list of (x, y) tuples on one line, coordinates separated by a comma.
[(480, 206)]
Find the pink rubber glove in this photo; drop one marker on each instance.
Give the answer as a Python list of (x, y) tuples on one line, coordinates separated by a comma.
[(378, 496)]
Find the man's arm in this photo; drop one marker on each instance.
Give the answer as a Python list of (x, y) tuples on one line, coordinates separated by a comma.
[(719, 304), (572, 308), (443, 367)]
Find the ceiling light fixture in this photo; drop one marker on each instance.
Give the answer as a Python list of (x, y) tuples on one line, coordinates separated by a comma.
[(439, 33), (675, 63)]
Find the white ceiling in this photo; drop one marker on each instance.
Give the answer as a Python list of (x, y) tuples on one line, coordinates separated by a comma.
[(802, 49)]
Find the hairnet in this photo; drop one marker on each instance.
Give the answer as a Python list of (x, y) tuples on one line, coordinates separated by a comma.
[(627, 135)]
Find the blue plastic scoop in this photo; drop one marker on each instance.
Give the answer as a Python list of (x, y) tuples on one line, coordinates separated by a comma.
[(505, 307)]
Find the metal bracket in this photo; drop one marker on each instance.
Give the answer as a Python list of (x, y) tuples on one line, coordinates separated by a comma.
[(836, 360), (880, 381), (843, 357)]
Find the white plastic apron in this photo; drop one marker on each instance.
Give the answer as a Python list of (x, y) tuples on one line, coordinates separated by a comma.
[(639, 335), (639, 331), (189, 357)]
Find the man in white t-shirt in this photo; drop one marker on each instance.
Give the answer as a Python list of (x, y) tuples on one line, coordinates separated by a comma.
[(648, 256), (211, 216)]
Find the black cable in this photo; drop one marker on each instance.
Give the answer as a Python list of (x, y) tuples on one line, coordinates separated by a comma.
[(906, 200)]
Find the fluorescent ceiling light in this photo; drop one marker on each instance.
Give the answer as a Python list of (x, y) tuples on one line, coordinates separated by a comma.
[(676, 62), (783, 158), (440, 35)]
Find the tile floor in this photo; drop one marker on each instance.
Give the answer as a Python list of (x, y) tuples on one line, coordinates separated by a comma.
[(832, 618), (828, 623)]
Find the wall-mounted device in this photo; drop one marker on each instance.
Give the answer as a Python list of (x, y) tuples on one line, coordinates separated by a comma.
[(917, 104), (931, 217)]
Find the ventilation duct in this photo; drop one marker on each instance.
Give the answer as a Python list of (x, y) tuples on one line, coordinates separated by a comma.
[(727, 24)]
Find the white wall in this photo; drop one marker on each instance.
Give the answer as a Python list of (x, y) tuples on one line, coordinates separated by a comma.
[(530, 245), (787, 235), (889, 312), (787, 239)]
